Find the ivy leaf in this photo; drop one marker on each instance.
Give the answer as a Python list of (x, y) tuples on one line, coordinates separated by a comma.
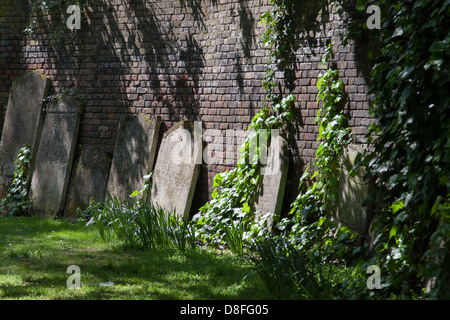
[(246, 208), (397, 32), (217, 180), (397, 206), (393, 233), (135, 193), (361, 5)]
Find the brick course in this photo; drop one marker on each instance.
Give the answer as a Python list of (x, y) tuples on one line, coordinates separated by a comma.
[(180, 59)]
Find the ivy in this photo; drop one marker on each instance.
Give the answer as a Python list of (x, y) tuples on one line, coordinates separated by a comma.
[(16, 200), (48, 7), (309, 224), (280, 36), (235, 190), (408, 149), (410, 143)]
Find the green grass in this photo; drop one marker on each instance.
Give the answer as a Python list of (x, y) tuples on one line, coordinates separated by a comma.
[(36, 252)]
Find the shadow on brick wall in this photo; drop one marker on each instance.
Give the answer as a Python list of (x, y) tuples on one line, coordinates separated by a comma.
[(149, 57), (125, 61), (12, 24)]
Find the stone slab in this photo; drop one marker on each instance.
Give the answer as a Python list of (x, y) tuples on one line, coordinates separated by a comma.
[(134, 155), (352, 191), (54, 159), (176, 170), (23, 122), (270, 195), (89, 178), (2, 118)]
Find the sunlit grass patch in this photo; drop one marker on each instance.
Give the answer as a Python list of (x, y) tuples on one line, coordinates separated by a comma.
[(35, 254)]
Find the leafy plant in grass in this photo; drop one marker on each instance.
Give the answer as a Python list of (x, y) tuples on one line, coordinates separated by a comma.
[(288, 273), (234, 235), (16, 201), (139, 224), (283, 271), (182, 233), (160, 229), (117, 217)]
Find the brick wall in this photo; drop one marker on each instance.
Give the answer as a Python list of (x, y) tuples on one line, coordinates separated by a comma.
[(12, 22), (196, 60)]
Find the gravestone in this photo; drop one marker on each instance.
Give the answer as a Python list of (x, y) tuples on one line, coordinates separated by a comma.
[(89, 178), (270, 193), (23, 122), (134, 155), (176, 170), (1, 119), (54, 159), (352, 191)]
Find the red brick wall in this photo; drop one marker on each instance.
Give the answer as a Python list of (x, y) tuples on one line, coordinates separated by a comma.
[(197, 60)]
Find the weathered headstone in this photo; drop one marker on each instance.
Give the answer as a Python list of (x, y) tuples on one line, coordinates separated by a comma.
[(352, 191), (1, 119), (134, 155), (89, 178), (176, 170), (23, 122), (54, 159), (271, 192)]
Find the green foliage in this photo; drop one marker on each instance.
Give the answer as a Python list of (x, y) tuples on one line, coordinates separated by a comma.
[(308, 223), (288, 274), (228, 216), (139, 224), (437, 256), (16, 201), (299, 264), (48, 6), (410, 139), (115, 216), (280, 37), (235, 190), (234, 236), (283, 270), (45, 8), (182, 233)]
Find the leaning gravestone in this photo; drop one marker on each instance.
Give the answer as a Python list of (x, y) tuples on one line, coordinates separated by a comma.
[(89, 178), (134, 154), (176, 170), (1, 120), (352, 191), (23, 122), (270, 193), (50, 178)]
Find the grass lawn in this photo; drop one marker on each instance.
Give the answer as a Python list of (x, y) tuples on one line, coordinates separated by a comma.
[(35, 254)]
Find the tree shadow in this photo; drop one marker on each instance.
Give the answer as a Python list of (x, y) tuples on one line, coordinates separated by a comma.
[(54, 157), (138, 60), (117, 65), (162, 273)]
